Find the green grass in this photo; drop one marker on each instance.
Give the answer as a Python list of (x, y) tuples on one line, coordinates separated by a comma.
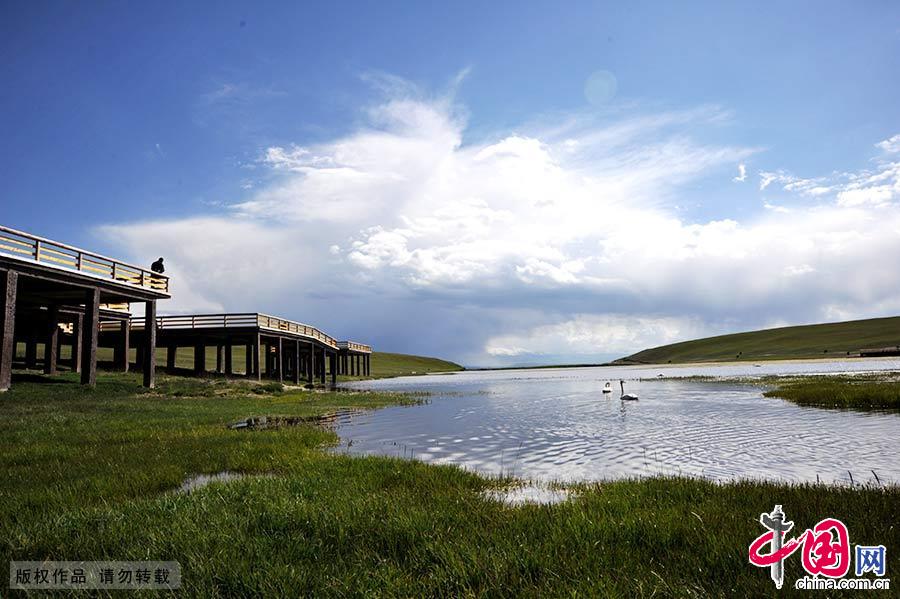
[(89, 475), (387, 365), (858, 393), (809, 341)]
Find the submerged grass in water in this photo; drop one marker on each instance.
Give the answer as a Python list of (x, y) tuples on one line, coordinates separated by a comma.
[(87, 476)]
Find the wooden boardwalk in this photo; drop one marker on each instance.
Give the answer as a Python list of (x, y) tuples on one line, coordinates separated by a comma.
[(45, 284), (55, 294), (291, 351)]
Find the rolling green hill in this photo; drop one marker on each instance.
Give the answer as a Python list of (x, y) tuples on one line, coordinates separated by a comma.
[(386, 364), (808, 341)]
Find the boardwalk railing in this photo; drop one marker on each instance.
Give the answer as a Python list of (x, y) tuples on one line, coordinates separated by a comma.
[(37, 249), (218, 321), (279, 324), (354, 346)]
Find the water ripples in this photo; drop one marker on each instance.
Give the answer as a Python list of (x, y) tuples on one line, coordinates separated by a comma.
[(556, 426)]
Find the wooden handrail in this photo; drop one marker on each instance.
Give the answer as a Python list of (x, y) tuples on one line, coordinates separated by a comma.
[(27, 246), (354, 346), (244, 319)]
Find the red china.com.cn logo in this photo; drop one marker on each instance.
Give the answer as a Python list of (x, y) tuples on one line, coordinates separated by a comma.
[(825, 554)]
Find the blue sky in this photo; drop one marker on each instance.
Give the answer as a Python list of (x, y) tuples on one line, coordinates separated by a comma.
[(440, 178)]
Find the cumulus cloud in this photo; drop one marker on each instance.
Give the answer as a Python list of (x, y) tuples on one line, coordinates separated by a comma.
[(891, 144), (561, 239), (742, 174)]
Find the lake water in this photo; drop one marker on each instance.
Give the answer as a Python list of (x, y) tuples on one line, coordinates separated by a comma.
[(556, 425)]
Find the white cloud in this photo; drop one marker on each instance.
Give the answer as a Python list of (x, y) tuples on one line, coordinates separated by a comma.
[(791, 183), (797, 270), (875, 196), (776, 208), (742, 174), (593, 334), (891, 144), (423, 240)]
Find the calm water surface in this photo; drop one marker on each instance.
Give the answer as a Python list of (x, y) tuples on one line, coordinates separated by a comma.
[(555, 425)]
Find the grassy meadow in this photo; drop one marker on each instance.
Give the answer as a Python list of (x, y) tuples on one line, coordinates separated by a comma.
[(389, 365), (92, 474), (831, 340)]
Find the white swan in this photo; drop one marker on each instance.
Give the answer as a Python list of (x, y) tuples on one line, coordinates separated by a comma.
[(607, 388), (627, 396)]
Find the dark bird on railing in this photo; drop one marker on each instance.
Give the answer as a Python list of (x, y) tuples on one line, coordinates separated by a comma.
[(158, 266)]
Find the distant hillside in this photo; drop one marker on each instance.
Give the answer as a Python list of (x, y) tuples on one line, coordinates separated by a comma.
[(387, 364), (808, 341)]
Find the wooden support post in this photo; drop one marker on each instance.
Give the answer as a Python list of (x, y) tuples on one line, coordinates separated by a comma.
[(77, 327), (368, 364), (30, 353), (255, 352), (150, 344), (171, 354), (51, 340), (8, 288), (59, 342), (123, 343), (229, 367), (295, 375), (199, 357), (89, 336), (279, 360), (310, 362), (332, 363), (322, 367), (220, 358), (248, 360)]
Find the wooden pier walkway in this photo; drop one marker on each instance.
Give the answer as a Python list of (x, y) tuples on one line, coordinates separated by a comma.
[(44, 284), (291, 351), (56, 294)]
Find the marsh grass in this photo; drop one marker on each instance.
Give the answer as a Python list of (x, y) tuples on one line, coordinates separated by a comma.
[(857, 393), (92, 474)]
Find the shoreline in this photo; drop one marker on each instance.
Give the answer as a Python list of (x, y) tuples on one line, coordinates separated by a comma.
[(671, 364)]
